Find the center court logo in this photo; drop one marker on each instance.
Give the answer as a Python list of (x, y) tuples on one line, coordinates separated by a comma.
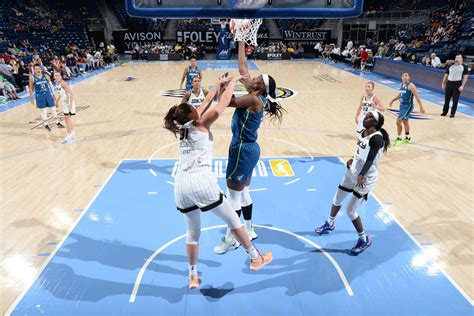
[(281, 93)]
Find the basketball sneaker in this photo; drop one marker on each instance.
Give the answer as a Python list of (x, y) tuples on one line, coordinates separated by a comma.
[(325, 229), (226, 245), (406, 140), (252, 234), (59, 125), (67, 139), (194, 282), (361, 245), (73, 135), (47, 128), (398, 142), (262, 261)]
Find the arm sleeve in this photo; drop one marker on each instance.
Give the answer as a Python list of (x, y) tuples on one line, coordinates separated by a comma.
[(375, 144)]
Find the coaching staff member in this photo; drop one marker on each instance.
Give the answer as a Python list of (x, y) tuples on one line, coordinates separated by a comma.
[(453, 83)]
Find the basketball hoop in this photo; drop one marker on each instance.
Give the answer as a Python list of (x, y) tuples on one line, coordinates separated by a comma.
[(246, 30)]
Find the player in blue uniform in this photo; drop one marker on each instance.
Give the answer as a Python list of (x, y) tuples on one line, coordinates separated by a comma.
[(407, 92), (40, 83), (189, 73), (244, 151)]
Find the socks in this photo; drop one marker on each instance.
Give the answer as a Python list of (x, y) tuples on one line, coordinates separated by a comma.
[(331, 220), (228, 235), (253, 253), (193, 271), (362, 236), (407, 136), (248, 224)]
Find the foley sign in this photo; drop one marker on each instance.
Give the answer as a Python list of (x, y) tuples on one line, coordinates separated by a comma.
[(125, 41)]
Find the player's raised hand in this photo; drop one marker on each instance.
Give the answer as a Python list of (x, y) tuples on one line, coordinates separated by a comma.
[(361, 181)]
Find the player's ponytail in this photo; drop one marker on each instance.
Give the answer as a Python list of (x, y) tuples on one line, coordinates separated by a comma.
[(272, 107), (177, 116), (386, 137)]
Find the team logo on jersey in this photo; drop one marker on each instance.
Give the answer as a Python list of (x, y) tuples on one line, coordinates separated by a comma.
[(281, 168), (281, 93)]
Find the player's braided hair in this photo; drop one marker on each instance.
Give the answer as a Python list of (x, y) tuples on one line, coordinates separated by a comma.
[(273, 108), (386, 137), (177, 116)]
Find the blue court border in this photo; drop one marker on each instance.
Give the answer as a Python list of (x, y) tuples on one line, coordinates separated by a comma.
[(336, 160)]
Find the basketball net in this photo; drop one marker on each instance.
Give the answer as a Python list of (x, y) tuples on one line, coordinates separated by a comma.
[(246, 31)]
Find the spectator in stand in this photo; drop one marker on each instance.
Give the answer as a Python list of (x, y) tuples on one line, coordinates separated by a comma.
[(427, 61), (8, 88), (6, 71), (435, 61), (413, 59), (364, 56), (398, 57), (382, 51), (318, 49), (336, 54), (112, 52)]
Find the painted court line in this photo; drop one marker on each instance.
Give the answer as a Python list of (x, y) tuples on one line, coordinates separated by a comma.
[(169, 182), (139, 278), (310, 169), (257, 190), (152, 193), (25, 290), (311, 190), (292, 181)]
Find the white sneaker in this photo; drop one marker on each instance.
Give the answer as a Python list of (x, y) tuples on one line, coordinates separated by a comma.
[(66, 140), (252, 234), (73, 135), (226, 245)]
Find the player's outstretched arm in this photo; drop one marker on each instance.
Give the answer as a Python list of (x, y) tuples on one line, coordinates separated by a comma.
[(395, 99), (243, 66), (211, 95), (359, 109), (378, 104), (211, 116)]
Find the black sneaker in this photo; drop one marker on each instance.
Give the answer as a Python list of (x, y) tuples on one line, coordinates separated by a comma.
[(47, 128), (451, 116), (444, 114), (60, 125)]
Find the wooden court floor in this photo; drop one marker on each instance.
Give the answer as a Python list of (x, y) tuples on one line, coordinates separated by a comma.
[(427, 185)]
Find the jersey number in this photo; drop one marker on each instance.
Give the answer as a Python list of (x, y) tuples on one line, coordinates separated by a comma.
[(183, 133)]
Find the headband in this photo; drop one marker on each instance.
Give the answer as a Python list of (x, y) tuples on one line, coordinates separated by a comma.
[(266, 81), (376, 115)]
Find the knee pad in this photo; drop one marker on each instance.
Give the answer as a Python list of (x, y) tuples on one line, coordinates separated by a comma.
[(234, 198), (352, 207), (340, 196), (246, 199)]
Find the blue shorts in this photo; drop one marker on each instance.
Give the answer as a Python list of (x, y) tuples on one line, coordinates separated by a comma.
[(243, 158), (44, 100), (405, 111)]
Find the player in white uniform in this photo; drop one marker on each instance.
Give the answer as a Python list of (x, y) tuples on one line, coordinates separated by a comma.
[(196, 95), (360, 178), (369, 102), (64, 97), (196, 189)]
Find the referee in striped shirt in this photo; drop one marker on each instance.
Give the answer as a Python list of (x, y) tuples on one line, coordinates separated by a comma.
[(453, 83)]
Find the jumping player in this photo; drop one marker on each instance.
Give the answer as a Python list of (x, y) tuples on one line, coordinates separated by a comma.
[(196, 189), (244, 151), (189, 73), (196, 95), (360, 178), (40, 83), (407, 92), (369, 102), (63, 96)]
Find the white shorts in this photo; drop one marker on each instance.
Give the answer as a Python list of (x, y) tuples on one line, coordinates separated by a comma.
[(197, 189), (349, 183), (69, 111)]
